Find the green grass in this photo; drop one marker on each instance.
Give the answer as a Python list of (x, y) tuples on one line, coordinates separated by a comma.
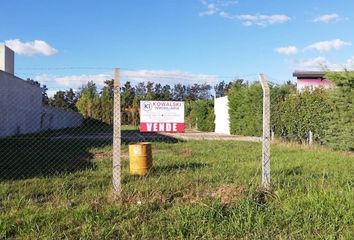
[(197, 189)]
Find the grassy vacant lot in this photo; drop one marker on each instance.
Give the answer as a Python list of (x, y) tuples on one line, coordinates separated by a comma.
[(205, 189)]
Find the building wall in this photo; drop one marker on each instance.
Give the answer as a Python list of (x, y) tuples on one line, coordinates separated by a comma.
[(311, 84), (20, 106), (22, 111), (55, 118), (221, 110), (7, 59)]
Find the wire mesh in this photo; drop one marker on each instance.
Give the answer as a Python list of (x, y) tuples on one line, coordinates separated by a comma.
[(68, 151), (81, 129), (65, 132)]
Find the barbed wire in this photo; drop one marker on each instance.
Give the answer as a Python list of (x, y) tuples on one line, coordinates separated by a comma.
[(144, 75), (174, 74), (136, 75)]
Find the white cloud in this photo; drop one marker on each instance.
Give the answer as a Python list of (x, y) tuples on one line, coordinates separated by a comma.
[(321, 63), (73, 81), (317, 63), (257, 19), (327, 18), (214, 6), (326, 46), (211, 10), (263, 20), (290, 50), (350, 63), (168, 77), (217, 7), (36, 47), (134, 76), (228, 16), (51, 93)]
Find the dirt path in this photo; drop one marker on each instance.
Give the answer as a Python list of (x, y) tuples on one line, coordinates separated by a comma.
[(135, 136), (195, 135)]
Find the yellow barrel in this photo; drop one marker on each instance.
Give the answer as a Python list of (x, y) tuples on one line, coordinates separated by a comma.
[(140, 158)]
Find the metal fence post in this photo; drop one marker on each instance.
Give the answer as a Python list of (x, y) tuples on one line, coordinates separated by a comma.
[(266, 133), (116, 168)]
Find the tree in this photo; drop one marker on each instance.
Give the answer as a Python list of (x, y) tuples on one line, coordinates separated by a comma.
[(127, 95), (88, 100), (65, 100), (158, 91), (179, 92), (107, 106), (166, 93), (198, 91), (58, 100), (96, 108), (71, 99), (140, 90), (221, 89), (150, 93)]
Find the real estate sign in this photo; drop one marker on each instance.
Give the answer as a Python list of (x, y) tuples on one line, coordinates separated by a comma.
[(161, 116)]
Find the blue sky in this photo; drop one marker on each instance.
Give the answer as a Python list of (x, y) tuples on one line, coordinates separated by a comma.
[(175, 40)]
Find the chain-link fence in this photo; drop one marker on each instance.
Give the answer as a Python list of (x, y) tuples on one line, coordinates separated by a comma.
[(46, 133), (78, 149)]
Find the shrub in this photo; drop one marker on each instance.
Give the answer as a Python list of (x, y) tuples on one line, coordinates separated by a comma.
[(245, 109), (201, 115), (340, 130), (299, 114), (329, 114)]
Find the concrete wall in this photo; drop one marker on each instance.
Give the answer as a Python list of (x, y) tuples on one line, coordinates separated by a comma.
[(20, 106), (55, 118), (22, 111), (221, 110), (7, 59)]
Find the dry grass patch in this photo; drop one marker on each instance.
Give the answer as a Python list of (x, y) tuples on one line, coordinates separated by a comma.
[(229, 193)]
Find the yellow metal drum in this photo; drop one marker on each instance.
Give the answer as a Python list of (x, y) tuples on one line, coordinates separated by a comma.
[(140, 158)]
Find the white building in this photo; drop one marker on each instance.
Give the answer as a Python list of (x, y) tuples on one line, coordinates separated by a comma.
[(7, 59), (21, 108), (222, 118)]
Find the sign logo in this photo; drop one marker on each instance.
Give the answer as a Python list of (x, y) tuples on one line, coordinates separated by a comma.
[(147, 106)]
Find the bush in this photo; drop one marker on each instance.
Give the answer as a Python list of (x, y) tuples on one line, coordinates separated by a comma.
[(201, 115), (329, 114), (245, 109), (292, 116), (340, 130), (299, 114)]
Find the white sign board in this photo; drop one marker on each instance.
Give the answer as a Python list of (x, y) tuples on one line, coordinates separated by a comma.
[(161, 116)]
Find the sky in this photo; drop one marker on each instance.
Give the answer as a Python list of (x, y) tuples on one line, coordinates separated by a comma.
[(65, 43)]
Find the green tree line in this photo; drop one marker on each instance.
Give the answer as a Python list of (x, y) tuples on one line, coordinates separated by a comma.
[(97, 104), (328, 114)]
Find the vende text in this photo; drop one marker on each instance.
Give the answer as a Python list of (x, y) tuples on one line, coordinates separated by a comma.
[(161, 127)]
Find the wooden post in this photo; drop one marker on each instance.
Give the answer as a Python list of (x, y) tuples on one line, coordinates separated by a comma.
[(116, 168), (266, 133)]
